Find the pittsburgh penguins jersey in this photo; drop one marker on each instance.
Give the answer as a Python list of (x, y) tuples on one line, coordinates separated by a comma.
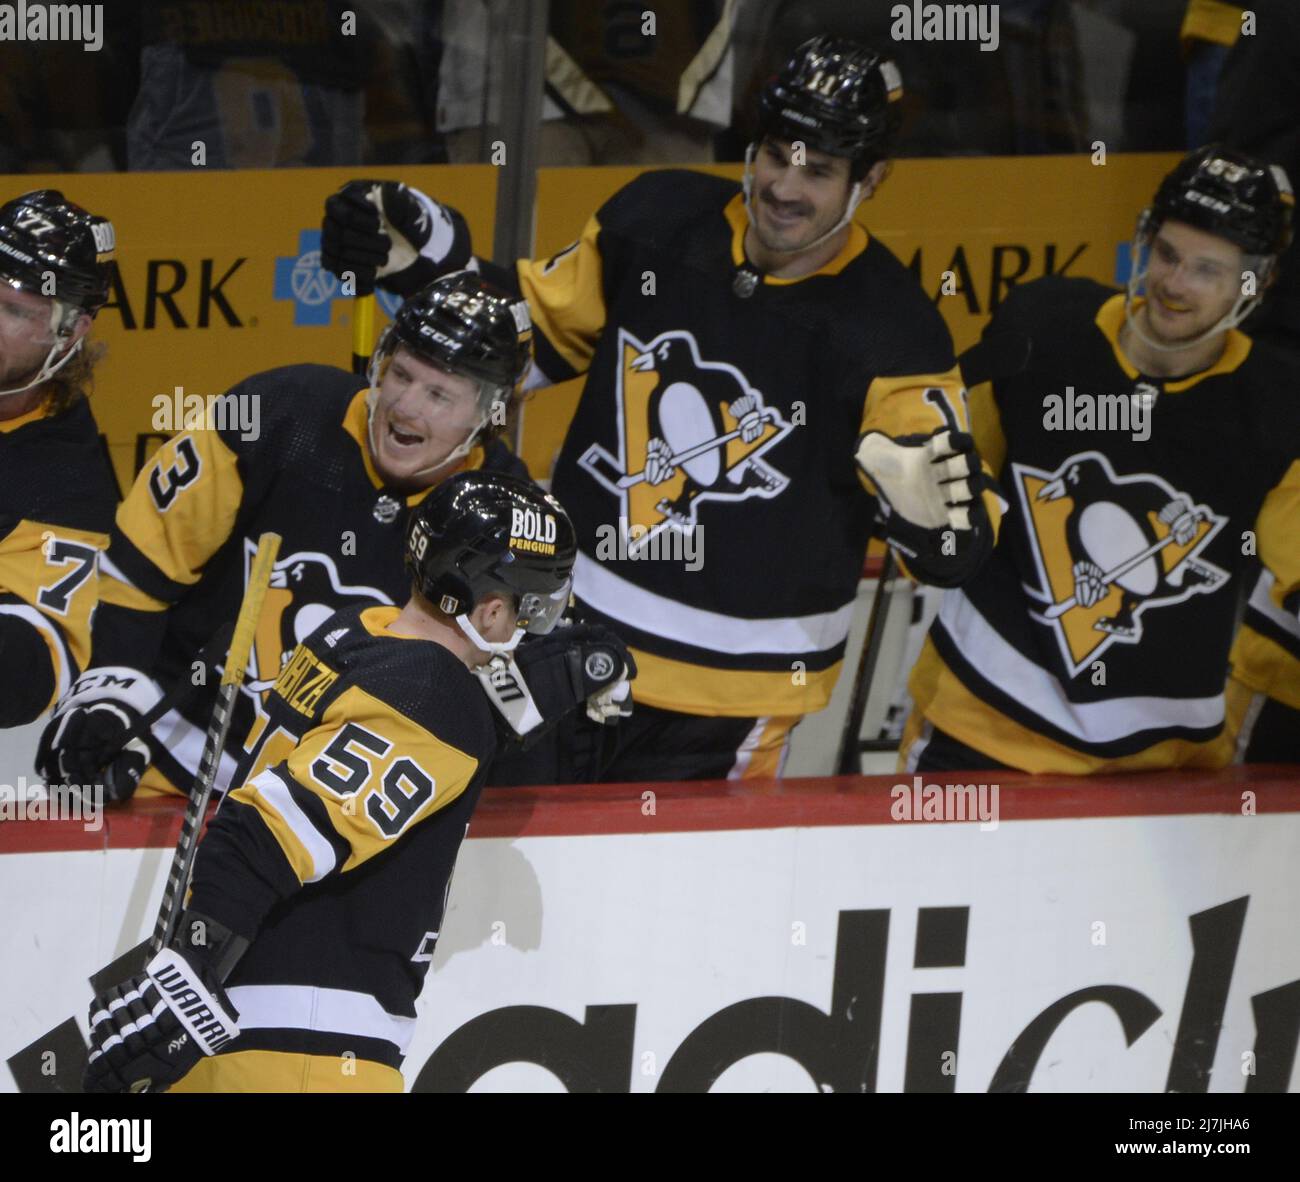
[(1097, 636), (335, 852), (56, 507), (185, 536), (709, 467)]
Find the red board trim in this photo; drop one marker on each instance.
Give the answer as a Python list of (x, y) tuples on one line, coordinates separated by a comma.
[(771, 804)]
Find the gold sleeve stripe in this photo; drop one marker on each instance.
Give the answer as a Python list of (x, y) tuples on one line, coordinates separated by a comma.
[(409, 773), (1210, 20), (734, 693), (1261, 663), (1276, 530), (986, 426), (907, 405), (566, 298), (183, 504), (53, 568)]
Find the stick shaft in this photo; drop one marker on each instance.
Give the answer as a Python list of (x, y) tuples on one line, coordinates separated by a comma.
[(363, 332), (214, 742), (849, 761)]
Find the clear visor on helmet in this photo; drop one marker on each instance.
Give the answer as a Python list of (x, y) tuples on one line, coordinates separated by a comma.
[(30, 323), (539, 612)]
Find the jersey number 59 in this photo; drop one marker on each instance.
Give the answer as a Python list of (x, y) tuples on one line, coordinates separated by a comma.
[(355, 760)]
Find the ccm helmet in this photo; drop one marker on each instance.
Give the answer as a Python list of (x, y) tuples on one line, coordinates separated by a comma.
[(483, 532), (462, 324), (1229, 194)]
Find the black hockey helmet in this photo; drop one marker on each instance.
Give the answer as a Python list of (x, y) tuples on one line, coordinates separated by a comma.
[(42, 234), (837, 96), (1227, 193), (480, 532), (464, 324)]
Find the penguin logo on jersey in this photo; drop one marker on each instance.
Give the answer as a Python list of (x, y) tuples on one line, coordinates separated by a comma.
[(305, 591), (689, 431), (1107, 548)]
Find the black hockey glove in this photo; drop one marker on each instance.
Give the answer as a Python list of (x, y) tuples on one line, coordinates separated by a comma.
[(930, 505), (85, 743), (150, 1030), (387, 232), (546, 677)]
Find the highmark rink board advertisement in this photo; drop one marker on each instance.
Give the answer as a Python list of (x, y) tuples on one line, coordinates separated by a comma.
[(218, 273)]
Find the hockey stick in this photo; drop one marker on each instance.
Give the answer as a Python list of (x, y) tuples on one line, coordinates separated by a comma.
[(241, 645), (179, 694), (363, 332), (849, 762)]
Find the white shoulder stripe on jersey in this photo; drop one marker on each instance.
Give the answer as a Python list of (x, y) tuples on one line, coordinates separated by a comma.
[(616, 597), (1039, 692), (43, 625), (276, 794), (184, 742), (305, 1007)]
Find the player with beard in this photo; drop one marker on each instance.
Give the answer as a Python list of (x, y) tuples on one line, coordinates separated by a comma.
[(57, 507), (1097, 637), (764, 379)]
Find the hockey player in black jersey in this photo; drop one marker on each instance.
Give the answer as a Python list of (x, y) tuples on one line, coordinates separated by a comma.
[(58, 496), (321, 884), (338, 464), (1097, 637), (738, 341)]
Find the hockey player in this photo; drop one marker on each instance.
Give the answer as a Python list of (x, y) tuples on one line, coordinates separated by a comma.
[(737, 340), (59, 494), (321, 885), (1096, 639), (335, 468)]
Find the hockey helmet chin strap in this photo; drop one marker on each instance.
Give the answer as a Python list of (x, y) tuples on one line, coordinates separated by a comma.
[(488, 646), (462, 449), (855, 199), (63, 318), (1244, 306)]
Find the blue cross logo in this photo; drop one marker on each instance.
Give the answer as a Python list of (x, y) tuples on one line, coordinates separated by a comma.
[(1124, 262), (302, 279)]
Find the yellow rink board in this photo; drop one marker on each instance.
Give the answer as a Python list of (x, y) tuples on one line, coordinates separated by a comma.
[(218, 282)]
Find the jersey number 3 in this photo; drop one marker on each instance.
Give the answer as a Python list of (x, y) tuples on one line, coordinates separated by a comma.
[(164, 484), (354, 760)]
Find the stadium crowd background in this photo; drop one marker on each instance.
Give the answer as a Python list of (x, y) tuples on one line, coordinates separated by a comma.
[(414, 82)]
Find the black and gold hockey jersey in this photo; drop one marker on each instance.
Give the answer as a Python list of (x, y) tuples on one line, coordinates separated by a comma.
[(728, 560), (57, 500), (185, 536), (335, 852), (1097, 636)]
